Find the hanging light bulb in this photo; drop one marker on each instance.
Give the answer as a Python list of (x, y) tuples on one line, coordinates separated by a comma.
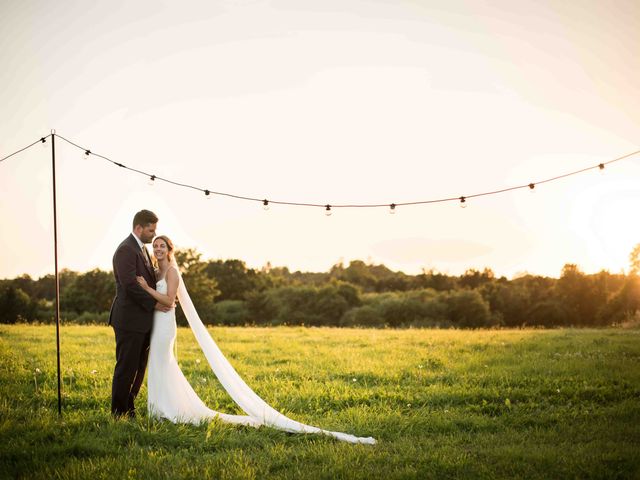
[(265, 204), (152, 181), (532, 187), (463, 202), (392, 209), (327, 210), (601, 167), (207, 194), (86, 154)]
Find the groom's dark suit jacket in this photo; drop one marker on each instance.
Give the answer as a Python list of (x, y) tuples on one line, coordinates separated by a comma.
[(133, 308)]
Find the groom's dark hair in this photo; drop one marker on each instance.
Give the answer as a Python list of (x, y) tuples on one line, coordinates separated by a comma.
[(144, 218)]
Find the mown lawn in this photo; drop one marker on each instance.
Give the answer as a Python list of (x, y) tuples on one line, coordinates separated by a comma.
[(442, 404)]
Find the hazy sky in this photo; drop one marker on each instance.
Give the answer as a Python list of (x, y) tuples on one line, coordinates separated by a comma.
[(324, 102)]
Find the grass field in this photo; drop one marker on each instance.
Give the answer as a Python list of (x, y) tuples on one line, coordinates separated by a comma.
[(441, 403)]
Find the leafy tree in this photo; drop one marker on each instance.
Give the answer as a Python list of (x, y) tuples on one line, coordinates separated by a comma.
[(435, 280), (46, 286), (538, 288), (230, 312), (15, 304), (273, 277), (401, 311), (357, 273), (467, 308), (302, 304), (26, 284), (328, 307), (624, 304), (417, 308), (507, 301), (580, 295), (262, 307), (547, 313), (474, 278), (202, 289), (634, 260), (92, 291), (316, 279), (398, 282), (364, 316), (233, 278)]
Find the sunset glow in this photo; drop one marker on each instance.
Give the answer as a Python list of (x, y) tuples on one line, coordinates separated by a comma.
[(328, 102)]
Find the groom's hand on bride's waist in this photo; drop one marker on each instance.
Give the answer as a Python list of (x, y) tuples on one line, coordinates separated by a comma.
[(163, 308)]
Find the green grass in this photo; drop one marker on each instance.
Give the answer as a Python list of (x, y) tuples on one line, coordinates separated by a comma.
[(442, 404)]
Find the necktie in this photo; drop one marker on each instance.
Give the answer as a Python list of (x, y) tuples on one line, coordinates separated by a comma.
[(145, 254)]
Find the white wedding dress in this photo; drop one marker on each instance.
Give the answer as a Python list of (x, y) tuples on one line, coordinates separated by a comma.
[(171, 396)]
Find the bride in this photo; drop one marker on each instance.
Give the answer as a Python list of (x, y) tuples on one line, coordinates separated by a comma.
[(169, 393)]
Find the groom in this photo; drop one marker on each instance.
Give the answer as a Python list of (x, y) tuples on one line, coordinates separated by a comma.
[(132, 313)]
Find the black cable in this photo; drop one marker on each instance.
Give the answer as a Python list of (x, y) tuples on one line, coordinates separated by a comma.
[(40, 140), (328, 207)]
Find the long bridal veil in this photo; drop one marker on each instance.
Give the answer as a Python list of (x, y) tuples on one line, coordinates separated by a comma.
[(240, 392)]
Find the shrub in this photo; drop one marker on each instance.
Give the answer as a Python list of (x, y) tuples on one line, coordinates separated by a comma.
[(302, 305), (365, 316), (400, 309), (230, 312), (91, 318), (548, 313), (15, 305), (467, 309)]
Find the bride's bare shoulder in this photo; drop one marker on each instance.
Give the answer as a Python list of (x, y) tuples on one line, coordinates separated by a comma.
[(172, 272)]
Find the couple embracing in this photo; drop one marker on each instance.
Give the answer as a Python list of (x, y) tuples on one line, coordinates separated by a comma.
[(133, 310), (144, 322)]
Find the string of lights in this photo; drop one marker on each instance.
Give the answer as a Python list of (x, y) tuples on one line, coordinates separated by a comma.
[(328, 206), (42, 141)]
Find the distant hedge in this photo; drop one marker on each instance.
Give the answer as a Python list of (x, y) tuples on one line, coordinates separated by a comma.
[(362, 295)]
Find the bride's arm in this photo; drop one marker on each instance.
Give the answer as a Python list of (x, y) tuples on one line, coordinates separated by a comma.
[(172, 289)]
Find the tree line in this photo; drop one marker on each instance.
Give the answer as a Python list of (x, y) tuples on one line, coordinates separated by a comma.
[(226, 292)]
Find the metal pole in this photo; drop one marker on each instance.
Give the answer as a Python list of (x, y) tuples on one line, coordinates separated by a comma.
[(55, 253)]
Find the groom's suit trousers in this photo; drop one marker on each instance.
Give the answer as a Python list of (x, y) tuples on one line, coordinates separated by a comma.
[(131, 318), (132, 352)]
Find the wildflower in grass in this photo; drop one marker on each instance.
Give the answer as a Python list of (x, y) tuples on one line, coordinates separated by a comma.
[(408, 405), (354, 380), (35, 377), (71, 376), (198, 361), (93, 372)]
